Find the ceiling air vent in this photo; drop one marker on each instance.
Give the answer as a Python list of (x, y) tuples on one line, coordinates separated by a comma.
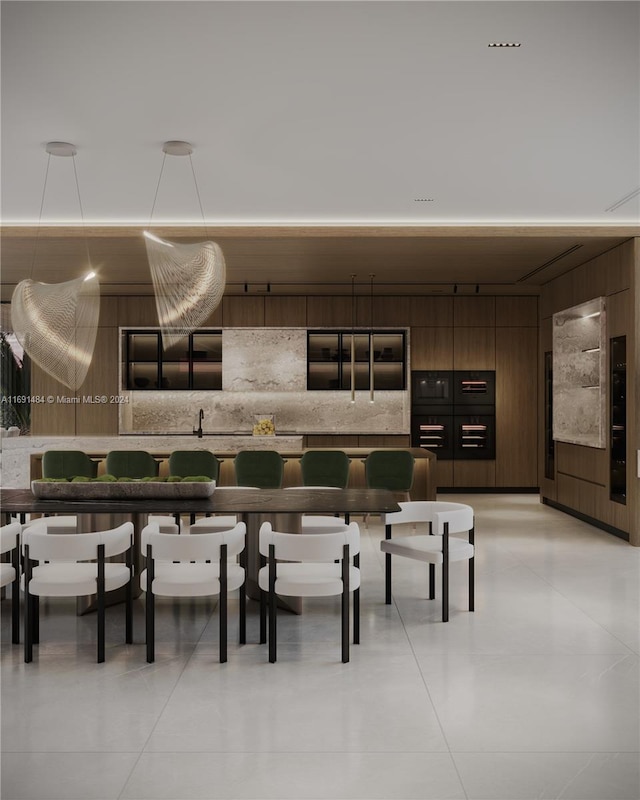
[(624, 200), (504, 44), (551, 261)]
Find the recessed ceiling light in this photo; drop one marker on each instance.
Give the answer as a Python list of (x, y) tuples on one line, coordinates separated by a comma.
[(504, 44)]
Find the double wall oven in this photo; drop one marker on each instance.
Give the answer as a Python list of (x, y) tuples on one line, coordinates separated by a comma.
[(453, 413)]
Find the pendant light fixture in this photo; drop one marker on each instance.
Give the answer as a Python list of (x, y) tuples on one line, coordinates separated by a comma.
[(353, 338), (371, 341), (57, 323), (188, 279)]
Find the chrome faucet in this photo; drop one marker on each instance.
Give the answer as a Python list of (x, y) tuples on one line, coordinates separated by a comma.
[(200, 419)]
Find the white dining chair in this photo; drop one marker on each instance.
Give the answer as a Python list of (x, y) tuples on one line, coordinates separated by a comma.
[(74, 565), (434, 547), (10, 573), (303, 565), (193, 566)]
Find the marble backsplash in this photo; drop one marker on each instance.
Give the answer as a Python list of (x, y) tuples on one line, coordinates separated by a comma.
[(295, 412), (264, 371)]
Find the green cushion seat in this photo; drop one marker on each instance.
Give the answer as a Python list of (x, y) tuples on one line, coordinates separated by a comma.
[(389, 469), (194, 462), (325, 468), (68, 464), (132, 464), (261, 468)]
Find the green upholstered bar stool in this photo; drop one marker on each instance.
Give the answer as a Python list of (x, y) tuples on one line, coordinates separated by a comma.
[(132, 464), (261, 468), (325, 468), (68, 464), (390, 469), (194, 462)]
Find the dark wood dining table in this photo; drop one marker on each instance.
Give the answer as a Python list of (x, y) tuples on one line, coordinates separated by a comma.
[(282, 507)]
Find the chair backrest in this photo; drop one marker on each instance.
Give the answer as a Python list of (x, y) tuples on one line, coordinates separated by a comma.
[(315, 547), (325, 468), (203, 547), (194, 462), (261, 468), (68, 464), (76, 547), (458, 515), (389, 469), (131, 464), (9, 537)]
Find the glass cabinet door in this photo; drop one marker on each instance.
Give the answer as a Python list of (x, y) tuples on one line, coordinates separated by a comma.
[(195, 362), (142, 361)]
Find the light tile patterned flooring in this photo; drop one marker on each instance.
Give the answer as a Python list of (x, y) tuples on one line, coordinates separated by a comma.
[(535, 695)]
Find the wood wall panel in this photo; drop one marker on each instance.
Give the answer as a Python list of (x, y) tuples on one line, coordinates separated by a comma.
[(214, 320), (516, 312), (471, 474), (587, 498), (108, 312), (444, 474), (330, 440), (51, 419), (431, 348), (473, 312), (280, 312), (619, 311), (329, 312), (474, 348), (384, 440), (516, 406), (586, 463), (102, 380), (243, 312), (583, 473), (134, 312), (431, 312)]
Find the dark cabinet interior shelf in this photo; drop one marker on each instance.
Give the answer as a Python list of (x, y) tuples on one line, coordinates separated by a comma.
[(193, 363), (329, 360)]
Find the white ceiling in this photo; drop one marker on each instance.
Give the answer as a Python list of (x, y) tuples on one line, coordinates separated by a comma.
[(323, 112)]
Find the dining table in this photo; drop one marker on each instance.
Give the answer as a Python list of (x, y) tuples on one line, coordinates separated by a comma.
[(283, 508)]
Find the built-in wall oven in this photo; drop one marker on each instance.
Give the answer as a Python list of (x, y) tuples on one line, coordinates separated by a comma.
[(453, 413)]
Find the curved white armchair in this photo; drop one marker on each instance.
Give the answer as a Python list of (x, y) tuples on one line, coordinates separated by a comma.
[(314, 574), (58, 566), (193, 566), (435, 547), (10, 573)]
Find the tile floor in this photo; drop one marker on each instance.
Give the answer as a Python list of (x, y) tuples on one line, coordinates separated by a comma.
[(535, 695)]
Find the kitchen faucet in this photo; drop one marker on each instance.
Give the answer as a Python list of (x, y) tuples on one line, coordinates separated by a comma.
[(200, 419)]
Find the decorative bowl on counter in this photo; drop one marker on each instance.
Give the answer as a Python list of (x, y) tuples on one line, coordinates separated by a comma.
[(264, 425), (123, 490)]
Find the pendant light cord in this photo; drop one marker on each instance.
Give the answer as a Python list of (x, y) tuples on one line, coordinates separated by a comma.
[(195, 182), (37, 239), (84, 230), (155, 196)]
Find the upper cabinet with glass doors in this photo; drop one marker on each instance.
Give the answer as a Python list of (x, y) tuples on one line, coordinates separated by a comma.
[(330, 357), (194, 363)]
